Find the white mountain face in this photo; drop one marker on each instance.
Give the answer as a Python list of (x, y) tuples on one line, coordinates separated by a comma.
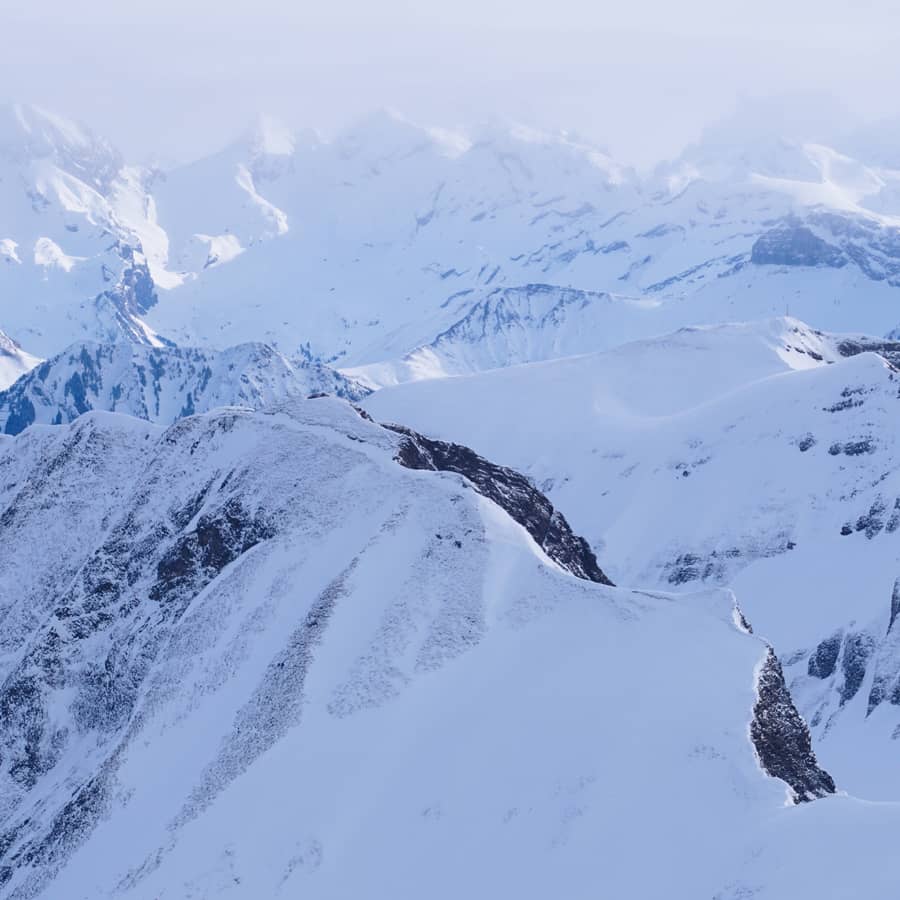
[(267, 657), (161, 384), (385, 207), (763, 457), (14, 361), (424, 230), (212, 210), (81, 254), (534, 322)]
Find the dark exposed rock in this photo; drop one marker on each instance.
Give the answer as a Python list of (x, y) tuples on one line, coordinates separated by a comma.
[(511, 491), (782, 739), (824, 659), (888, 349), (852, 448), (793, 244), (21, 414), (847, 401), (895, 604), (135, 294), (197, 557), (872, 522), (857, 650), (823, 238), (687, 567), (717, 563), (885, 654), (893, 522)]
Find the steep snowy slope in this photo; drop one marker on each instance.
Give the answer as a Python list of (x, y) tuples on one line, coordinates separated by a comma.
[(81, 254), (733, 456), (212, 210), (161, 384), (14, 361), (231, 686)]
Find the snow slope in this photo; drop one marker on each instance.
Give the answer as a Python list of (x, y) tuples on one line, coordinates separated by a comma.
[(247, 691), (14, 361), (161, 384), (755, 456)]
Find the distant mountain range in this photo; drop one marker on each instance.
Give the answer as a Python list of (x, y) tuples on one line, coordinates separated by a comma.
[(373, 245)]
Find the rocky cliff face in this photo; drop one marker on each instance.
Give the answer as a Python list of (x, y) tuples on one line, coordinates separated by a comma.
[(782, 739), (852, 672), (832, 240), (793, 244), (512, 492)]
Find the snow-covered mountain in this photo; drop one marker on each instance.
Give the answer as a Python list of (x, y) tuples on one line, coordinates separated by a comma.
[(212, 210), (81, 253), (387, 215), (763, 457), (283, 652), (161, 384), (14, 361), (426, 230), (513, 325), (373, 244)]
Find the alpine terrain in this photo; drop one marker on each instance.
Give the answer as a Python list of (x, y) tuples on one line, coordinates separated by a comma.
[(411, 511)]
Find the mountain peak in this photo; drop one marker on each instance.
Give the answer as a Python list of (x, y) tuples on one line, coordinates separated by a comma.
[(29, 133), (269, 136), (14, 361)]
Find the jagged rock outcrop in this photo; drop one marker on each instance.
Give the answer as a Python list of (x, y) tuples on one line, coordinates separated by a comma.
[(889, 349), (832, 239), (782, 738), (161, 384), (823, 660), (510, 490)]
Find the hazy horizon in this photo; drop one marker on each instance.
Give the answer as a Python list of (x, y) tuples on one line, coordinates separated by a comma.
[(643, 81)]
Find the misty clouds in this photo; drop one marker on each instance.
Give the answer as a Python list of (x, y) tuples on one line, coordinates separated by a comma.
[(643, 79)]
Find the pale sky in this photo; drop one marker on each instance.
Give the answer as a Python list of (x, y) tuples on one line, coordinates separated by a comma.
[(177, 78)]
